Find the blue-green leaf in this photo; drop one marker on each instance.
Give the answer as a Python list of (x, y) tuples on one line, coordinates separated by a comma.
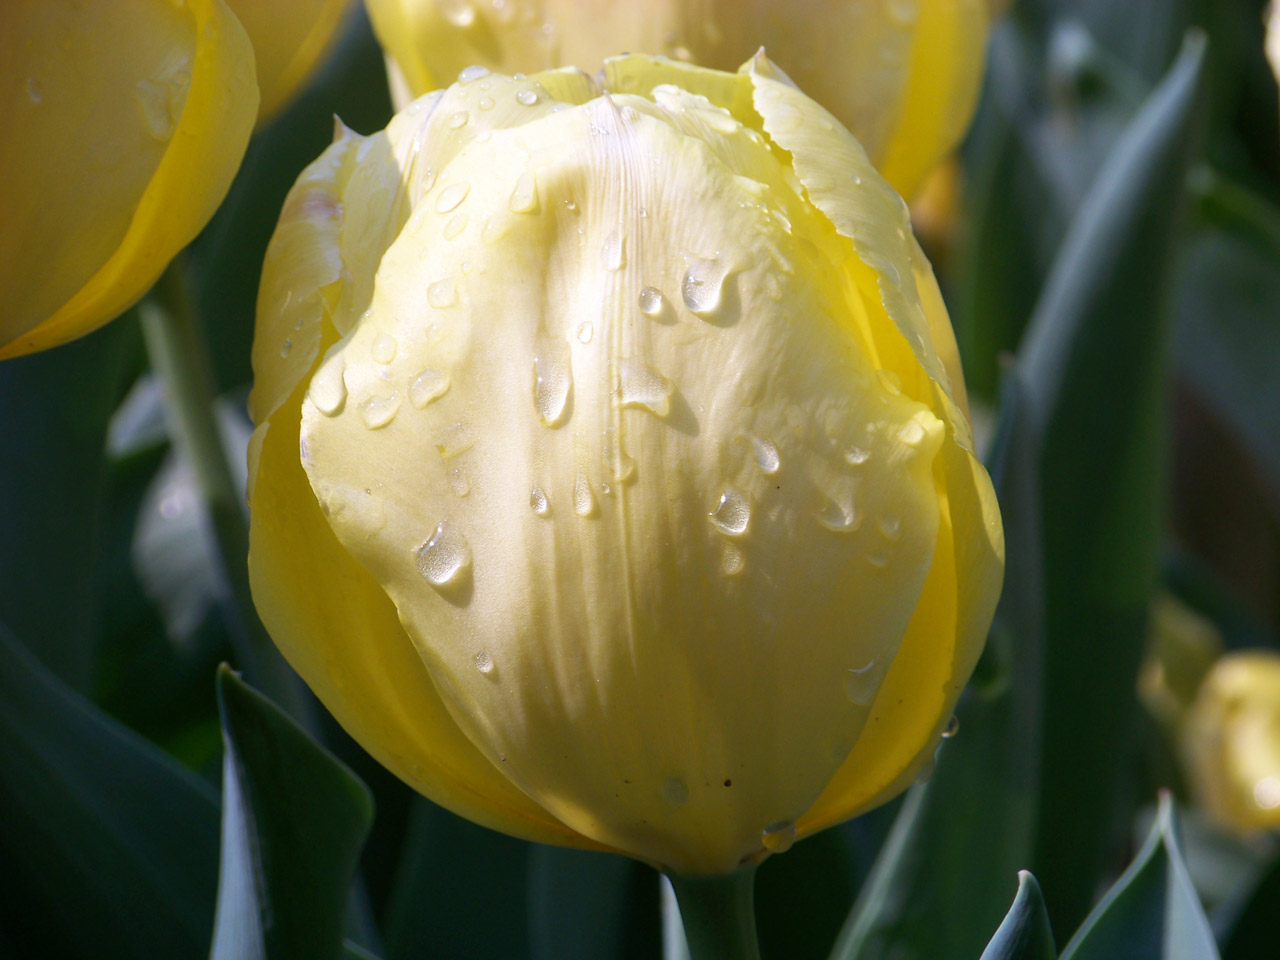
[(1024, 934), (1152, 912), (293, 822)]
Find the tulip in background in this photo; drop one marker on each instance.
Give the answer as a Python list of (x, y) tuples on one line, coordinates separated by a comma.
[(123, 125), (903, 75), (613, 482)]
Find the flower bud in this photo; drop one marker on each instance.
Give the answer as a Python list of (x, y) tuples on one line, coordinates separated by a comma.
[(1231, 742), (903, 75), (123, 124), (612, 480)]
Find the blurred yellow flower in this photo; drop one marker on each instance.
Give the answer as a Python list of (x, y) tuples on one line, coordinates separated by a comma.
[(1231, 741), (1273, 39), (289, 39), (121, 127), (903, 75), (613, 482)]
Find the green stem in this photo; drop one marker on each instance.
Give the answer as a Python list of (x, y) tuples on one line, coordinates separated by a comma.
[(718, 913), (175, 344)]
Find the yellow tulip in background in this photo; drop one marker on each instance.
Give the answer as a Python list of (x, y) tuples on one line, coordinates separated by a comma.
[(902, 75), (121, 127), (1231, 741), (613, 481)]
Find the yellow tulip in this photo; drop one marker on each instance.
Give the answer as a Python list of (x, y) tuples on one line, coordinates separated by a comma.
[(612, 481), (1273, 39), (903, 75), (121, 127), (1231, 741), (289, 39)]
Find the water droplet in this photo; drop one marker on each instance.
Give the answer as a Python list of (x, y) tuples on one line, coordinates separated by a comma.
[(458, 119), (571, 206), (443, 293), (733, 560), (855, 456), (35, 92), (702, 286), (162, 99), (485, 103), (925, 772), (952, 728), (427, 181), (524, 197), (451, 196), (912, 432), (378, 411), (778, 837), (614, 252), (877, 560), (675, 792), (839, 513), (286, 347), (584, 501), (483, 662), (460, 13), (457, 223), (427, 386), (620, 464), (586, 330), (732, 513), (328, 390), (538, 501), (651, 301), (527, 97), (474, 72), (766, 455), (552, 384), (384, 348), (890, 527), (445, 557), (861, 685), (458, 482), (639, 386), (455, 439)]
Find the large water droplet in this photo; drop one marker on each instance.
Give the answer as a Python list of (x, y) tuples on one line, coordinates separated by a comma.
[(584, 501), (765, 455), (443, 293), (445, 557), (640, 386), (912, 432), (778, 837), (484, 662), (458, 482), (552, 384), (651, 302), (952, 728), (620, 464), (527, 97), (384, 348), (675, 792), (378, 411), (162, 99), (455, 439), (538, 501), (702, 286), (861, 685), (328, 390), (732, 512), (839, 513), (524, 196), (427, 386), (474, 72), (451, 196), (613, 255)]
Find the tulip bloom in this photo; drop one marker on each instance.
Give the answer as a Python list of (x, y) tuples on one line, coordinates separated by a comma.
[(613, 482), (903, 75), (1231, 741), (123, 124)]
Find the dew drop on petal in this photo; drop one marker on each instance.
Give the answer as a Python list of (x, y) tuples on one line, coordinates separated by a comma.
[(328, 390), (732, 512), (856, 456), (524, 196), (457, 223), (620, 464), (527, 97), (378, 411), (458, 482), (444, 557), (651, 301), (455, 439), (443, 294), (839, 513), (484, 662), (584, 501), (952, 728), (862, 684), (765, 455), (613, 255), (538, 501), (639, 386), (451, 196), (458, 119), (778, 837), (474, 72), (384, 348), (552, 384), (586, 330), (427, 386), (912, 433), (890, 527), (702, 286), (733, 560)]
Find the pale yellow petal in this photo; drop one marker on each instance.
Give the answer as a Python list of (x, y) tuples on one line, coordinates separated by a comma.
[(124, 124)]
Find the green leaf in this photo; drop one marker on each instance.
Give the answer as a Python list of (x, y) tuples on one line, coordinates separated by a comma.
[(293, 822), (594, 905), (1096, 368), (1152, 912), (1250, 927), (109, 847), (1024, 934)]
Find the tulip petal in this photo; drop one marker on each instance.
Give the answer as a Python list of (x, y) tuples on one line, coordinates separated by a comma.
[(131, 119), (673, 552)]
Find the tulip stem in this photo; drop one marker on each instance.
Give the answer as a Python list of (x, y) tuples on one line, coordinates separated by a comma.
[(719, 915), (177, 349)]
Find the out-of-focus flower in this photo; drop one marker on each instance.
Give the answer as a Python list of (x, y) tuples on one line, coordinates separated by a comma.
[(121, 127), (289, 39), (903, 75), (1181, 647), (1273, 39), (1231, 741), (613, 482)]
